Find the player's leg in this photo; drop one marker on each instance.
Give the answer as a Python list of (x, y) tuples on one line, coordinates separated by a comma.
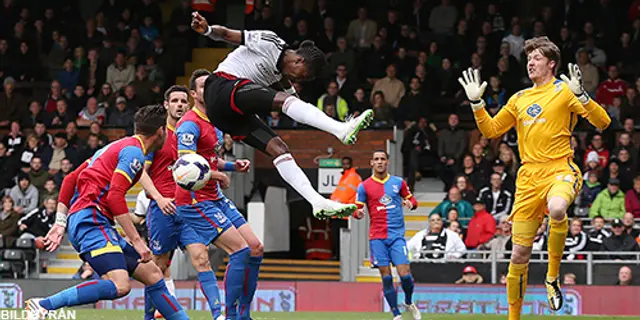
[(155, 287), (382, 259), (210, 225), (400, 258), (527, 214), (199, 255), (231, 212), (261, 137), (252, 98), (560, 196)]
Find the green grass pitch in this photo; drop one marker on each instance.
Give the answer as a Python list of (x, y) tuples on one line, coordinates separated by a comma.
[(92, 314)]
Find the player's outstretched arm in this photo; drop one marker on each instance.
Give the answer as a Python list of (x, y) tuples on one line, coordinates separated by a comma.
[(240, 165), (585, 106), (488, 126), (215, 32)]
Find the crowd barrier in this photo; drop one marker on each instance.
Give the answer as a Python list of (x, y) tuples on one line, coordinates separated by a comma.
[(363, 297)]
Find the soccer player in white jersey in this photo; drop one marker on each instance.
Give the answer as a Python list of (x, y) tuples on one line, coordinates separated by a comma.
[(241, 87)]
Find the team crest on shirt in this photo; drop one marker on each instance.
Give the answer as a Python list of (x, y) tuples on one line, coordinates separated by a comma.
[(396, 189), (534, 110), (220, 217), (187, 139), (135, 165), (155, 245), (386, 199)]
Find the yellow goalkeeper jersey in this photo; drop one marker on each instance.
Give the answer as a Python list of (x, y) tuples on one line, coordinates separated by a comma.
[(544, 117)]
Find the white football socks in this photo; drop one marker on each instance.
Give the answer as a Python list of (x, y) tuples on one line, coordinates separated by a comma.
[(295, 177), (309, 114), (171, 286)]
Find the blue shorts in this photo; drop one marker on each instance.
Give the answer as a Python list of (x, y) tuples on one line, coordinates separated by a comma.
[(205, 219), (228, 208), (167, 232), (99, 243), (384, 251)]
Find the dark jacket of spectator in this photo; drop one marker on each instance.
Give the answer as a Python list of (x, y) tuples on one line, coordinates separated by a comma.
[(8, 169), (452, 143), (38, 221), (499, 206), (596, 237), (589, 193), (481, 229), (621, 243), (12, 106), (9, 225)]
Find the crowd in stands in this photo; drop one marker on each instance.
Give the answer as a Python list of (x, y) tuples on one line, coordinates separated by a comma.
[(70, 66)]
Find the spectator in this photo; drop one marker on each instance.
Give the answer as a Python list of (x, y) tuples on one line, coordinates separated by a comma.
[(34, 116), (50, 190), (482, 227), (24, 195), (61, 150), (576, 242), (85, 272), (631, 105), (94, 73), (443, 18), (55, 94), (632, 198), (12, 104), (452, 142), (30, 150), (597, 234), (629, 225), (345, 191), (515, 41), (347, 85), (454, 199), (444, 243), (625, 276), (133, 101), (477, 179), (44, 138), (8, 221), (343, 56), (327, 38), (597, 145), (91, 113), (106, 97), (540, 239), (496, 198), (610, 202), (418, 150), (68, 77), (470, 276), (37, 222), (590, 190), (66, 166), (412, 105), (452, 215), (578, 152), (508, 181), (71, 131), (392, 88), (495, 96), (619, 241), (361, 31), (376, 61), (501, 242), (510, 161), (27, 64), (121, 116), (383, 112), (37, 174), (610, 88), (454, 226), (627, 168), (483, 166), (625, 142), (148, 30), (597, 55), (93, 145), (332, 98), (467, 191), (569, 279), (590, 75), (359, 103), (14, 139), (95, 128), (142, 86), (61, 116), (119, 74), (8, 167)]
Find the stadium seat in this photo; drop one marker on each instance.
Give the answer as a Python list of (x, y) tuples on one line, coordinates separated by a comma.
[(6, 270), (17, 259), (28, 245)]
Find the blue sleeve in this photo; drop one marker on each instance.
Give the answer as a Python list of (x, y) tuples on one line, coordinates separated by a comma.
[(187, 134), (361, 195), (148, 159), (130, 162)]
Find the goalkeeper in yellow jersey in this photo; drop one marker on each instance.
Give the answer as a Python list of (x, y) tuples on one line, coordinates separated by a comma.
[(548, 181)]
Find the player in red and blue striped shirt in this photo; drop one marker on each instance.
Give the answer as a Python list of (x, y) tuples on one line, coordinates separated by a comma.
[(99, 202), (384, 196)]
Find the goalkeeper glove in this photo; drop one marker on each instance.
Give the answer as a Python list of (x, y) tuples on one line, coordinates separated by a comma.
[(473, 88), (575, 83)]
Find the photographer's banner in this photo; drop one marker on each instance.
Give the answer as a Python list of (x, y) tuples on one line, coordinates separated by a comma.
[(469, 299)]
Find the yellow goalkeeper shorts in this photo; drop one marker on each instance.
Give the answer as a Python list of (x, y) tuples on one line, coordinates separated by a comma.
[(535, 185)]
